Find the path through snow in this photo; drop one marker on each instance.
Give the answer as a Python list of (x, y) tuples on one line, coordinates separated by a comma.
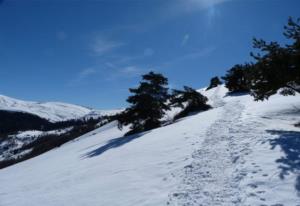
[(213, 178)]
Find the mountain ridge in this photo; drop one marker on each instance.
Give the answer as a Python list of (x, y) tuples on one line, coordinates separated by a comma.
[(52, 111)]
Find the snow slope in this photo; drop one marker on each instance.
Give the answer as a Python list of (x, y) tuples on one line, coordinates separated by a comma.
[(239, 153), (53, 111)]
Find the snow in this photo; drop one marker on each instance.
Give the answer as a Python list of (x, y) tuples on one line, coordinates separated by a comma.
[(241, 152), (98, 113), (36, 133), (53, 111)]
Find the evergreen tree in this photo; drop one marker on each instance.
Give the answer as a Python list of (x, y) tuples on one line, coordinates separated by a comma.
[(214, 82), (190, 100), (292, 32), (277, 68), (148, 104), (237, 79)]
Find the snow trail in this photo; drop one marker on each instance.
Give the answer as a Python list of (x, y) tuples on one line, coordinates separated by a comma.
[(214, 175)]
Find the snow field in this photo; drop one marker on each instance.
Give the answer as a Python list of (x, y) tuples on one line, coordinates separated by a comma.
[(234, 154)]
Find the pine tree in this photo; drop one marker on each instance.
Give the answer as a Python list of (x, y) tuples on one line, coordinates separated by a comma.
[(292, 32), (214, 82), (148, 104), (237, 79), (190, 100), (277, 68)]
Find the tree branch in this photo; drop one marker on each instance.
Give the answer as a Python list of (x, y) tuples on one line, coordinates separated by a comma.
[(293, 88)]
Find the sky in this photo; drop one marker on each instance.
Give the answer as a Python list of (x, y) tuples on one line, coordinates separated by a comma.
[(89, 52)]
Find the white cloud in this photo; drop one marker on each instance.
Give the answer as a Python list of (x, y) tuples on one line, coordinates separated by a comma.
[(102, 46), (185, 39)]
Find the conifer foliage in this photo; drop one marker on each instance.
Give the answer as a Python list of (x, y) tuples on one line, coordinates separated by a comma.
[(190, 100), (237, 79), (214, 82), (148, 104), (277, 67)]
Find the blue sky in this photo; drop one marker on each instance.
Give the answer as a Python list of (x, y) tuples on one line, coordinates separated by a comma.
[(90, 52)]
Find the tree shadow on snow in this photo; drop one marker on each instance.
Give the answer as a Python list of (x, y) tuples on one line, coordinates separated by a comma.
[(182, 116), (112, 144), (289, 142), (236, 94)]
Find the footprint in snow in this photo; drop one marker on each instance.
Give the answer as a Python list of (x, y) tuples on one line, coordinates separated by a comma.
[(252, 185)]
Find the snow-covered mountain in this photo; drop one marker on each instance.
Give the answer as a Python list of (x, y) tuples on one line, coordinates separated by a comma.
[(52, 111), (241, 152), (21, 141)]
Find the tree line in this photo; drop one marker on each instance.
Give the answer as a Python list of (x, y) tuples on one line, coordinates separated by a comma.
[(47, 142), (275, 68), (13, 122)]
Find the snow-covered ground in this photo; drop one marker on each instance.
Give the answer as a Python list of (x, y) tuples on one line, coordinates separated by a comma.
[(53, 111), (239, 153)]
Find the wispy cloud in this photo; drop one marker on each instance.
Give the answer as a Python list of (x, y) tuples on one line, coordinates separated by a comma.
[(206, 3), (82, 76), (101, 45), (129, 59), (124, 72), (205, 52), (183, 7), (131, 70), (185, 39), (193, 5), (86, 72)]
